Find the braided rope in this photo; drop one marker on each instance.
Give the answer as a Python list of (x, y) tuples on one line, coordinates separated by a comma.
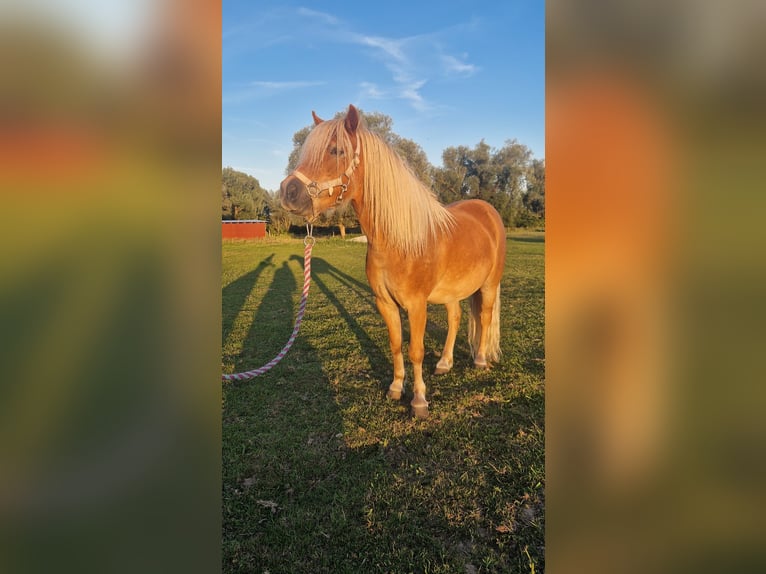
[(299, 317)]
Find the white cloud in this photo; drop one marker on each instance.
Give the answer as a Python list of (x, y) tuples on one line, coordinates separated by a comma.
[(316, 15), (454, 66), (403, 71), (411, 60), (371, 90), (411, 93), (390, 47)]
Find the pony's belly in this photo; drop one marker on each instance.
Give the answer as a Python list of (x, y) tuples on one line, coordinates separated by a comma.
[(443, 294), (458, 280), (406, 293)]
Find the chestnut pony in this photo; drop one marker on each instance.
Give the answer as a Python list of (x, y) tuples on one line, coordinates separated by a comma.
[(418, 250)]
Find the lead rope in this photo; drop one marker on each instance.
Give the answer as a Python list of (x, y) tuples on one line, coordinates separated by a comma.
[(309, 242)]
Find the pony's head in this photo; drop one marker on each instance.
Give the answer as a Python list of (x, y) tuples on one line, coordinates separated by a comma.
[(327, 173)]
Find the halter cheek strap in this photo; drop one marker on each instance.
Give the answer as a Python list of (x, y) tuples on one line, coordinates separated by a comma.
[(314, 189)]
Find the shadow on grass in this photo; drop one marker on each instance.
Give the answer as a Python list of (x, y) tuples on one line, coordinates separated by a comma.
[(322, 271), (436, 330), (235, 294), (272, 322), (529, 239), (360, 287), (281, 463)]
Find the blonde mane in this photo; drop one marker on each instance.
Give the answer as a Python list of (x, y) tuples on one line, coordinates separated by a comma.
[(404, 212)]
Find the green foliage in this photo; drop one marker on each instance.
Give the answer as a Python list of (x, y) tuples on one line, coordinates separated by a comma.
[(242, 196), (279, 219), (321, 473), (299, 138), (526, 219), (508, 178), (534, 200), (342, 216)]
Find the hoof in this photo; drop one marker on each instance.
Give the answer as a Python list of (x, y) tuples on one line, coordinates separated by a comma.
[(394, 395), (419, 407), (482, 365), (443, 366)]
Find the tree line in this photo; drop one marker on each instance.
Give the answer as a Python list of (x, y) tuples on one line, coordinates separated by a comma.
[(509, 178)]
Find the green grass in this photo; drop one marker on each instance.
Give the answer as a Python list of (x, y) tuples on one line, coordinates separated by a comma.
[(321, 473)]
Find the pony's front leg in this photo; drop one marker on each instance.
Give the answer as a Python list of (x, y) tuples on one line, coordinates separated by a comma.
[(390, 313), (417, 316)]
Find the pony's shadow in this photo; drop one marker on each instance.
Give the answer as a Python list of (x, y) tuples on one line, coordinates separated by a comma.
[(540, 239), (235, 294), (322, 271), (259, 345)]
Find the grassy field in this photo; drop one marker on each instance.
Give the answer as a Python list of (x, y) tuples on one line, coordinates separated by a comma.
[(321, 473)]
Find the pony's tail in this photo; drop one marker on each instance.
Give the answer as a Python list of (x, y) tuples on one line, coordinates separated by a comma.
[(493, 333)]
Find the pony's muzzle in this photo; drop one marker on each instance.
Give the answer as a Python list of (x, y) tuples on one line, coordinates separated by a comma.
[(293, 196)]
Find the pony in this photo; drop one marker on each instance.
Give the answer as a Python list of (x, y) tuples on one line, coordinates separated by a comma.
[(418, 250)]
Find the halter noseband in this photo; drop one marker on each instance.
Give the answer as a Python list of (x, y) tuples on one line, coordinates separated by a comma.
[(314, 189)]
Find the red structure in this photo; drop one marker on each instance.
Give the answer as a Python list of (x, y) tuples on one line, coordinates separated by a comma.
[(243, 229)]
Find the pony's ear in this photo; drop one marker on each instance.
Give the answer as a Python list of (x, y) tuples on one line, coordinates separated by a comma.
[(317, 119), (352, 119)]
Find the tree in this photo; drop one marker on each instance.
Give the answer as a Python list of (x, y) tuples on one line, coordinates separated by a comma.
[(468, 173), (500, 177), (242, 196), (279, 219), (534, 200), (343, 216), (415, 157), (299, 138), (511, 166), (449, 181)]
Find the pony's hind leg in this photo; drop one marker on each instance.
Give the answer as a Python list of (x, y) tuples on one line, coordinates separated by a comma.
[(453, 322), (484, 325), (390, 313)]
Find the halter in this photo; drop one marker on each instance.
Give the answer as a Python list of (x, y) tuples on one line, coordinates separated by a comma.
[(314, 189)]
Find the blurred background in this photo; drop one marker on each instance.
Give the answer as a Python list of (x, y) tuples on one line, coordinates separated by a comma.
[(655, 286), (109, 286)]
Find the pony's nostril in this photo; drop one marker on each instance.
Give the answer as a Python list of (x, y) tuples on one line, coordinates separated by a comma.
[(289, 191), (292, 191)]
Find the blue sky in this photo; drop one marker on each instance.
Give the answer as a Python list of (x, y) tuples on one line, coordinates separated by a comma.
[(448, 73)]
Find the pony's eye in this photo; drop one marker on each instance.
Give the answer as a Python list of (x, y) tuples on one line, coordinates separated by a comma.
[(336, 151)]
